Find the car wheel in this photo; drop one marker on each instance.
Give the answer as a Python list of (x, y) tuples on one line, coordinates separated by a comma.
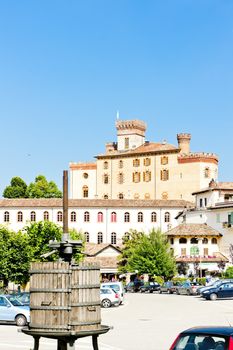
[(213, 296), (106, 303), (160, 292), (177, 292), (188, 292), (170, 291), (20, 320)]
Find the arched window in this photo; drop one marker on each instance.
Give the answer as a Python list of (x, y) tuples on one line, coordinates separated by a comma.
[(85, 175), (86, 216), (136, 162), (120, 178), (182, 240), (127, 217), (121, 196), (106, 178), (140, 217), (59, 216), (136, 196), (164, 175), (105, 196), (19, 216), (194, 240), (126, 236), (121, 164), (167, 217), (46, 216), (207, 172), (164, 160), (85, 191), (153, 217), (100, 238), (146, 161), (165, 196), (147, 196), (205, 241), (73, 216), (113, 217), (33, 216), (113, 238), (147, 176), (87, 237), (6, 216), (214, 240), (136, 177), (100, 216), (105, 165)]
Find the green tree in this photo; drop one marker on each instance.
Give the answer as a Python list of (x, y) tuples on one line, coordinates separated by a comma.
[(41, 188), (15, 256), (148, 254), (39, 234), (16, 189)]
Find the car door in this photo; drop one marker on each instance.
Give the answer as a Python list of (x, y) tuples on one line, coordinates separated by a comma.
[(5, 310), (224, 290)]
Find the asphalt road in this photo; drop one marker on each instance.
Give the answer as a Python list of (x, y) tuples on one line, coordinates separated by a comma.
[(144, 322)]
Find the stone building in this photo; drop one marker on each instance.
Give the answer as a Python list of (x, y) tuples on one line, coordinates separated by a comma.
[(133, 168)]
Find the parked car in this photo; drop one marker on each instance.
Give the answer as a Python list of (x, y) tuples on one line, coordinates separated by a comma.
[(149, 287), (23, 297), (129, 287), (109, 297), (117, 286), (13, 311), (188, 288), (223, 291), (204, 338), (168, 287), (214, 284)]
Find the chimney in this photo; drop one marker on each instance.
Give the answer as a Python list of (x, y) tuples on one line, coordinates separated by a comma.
[(184, 142)]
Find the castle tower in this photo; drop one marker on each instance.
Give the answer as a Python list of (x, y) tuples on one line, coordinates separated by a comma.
[(130, 134), (184, 142)]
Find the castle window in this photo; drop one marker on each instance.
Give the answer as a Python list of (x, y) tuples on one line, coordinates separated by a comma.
[(127, 217), (6, 216), (147, 196), (164, 160), (73, 216), (207, 172), (153, 217), (19, 216), (100, 238), (126, 143), (87, 237), (120, 196), (46, 216), (146, 161), (167, 217), (136, 162), (113, 238), (194, 240), (136, 177), (214, 241), (183, 251), (105, 196), (120, 178), (205, 241), (59, 216), (147, 176), (33, 216), (136, 196), (106, 178), (105, 165), (85, 175), (164, 175), (164, 195), (120, 164), (113, 217), (86, 216), (85, 191), (140, 217), (182, 240), (100, 216)]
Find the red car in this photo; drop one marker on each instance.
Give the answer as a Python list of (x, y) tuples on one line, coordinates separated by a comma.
[(204, 338)]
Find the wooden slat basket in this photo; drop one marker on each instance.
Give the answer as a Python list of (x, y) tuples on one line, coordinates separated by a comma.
[(64, 297)]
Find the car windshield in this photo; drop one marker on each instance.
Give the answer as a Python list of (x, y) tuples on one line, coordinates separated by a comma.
[(116, 287), (14, 300), (201, 341)]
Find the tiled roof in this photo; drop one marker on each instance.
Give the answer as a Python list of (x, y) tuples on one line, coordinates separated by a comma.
[(216, 186), (148, 147), (193, 230), (92, 249), (93, 203), (104, 262), (216, 257)]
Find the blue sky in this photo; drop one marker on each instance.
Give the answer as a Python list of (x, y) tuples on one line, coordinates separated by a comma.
[(66, 67)]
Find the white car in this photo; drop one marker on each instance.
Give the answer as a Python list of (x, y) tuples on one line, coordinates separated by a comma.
[(117, 286), (109, 297)]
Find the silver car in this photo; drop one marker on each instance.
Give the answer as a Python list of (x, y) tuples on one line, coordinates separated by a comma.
[(13, 311)]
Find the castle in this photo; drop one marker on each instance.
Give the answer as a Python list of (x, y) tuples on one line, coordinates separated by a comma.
[(133, 168)]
